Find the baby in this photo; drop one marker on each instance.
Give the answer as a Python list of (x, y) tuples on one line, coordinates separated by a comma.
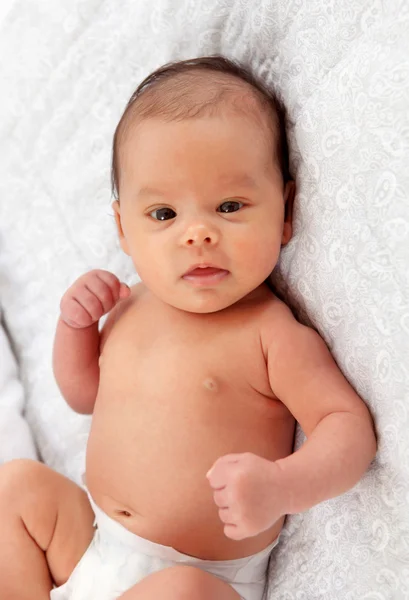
[(198, 375)]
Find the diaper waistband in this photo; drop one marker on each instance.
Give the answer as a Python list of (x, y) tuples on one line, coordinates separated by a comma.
[(117, 533)]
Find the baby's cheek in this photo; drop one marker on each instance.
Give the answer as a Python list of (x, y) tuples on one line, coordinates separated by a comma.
[(258, 251)]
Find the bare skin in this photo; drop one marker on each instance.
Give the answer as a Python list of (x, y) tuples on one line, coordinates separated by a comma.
[(48, 524), (222, 403), (195, 383)]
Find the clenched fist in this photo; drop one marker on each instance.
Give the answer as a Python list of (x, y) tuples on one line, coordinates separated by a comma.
[(90, 297), (249, 493)]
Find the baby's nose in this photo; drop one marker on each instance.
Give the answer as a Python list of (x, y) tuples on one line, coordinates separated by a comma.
[(198, 234)]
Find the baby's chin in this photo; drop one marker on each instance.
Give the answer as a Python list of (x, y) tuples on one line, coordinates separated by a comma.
[(204, 301)]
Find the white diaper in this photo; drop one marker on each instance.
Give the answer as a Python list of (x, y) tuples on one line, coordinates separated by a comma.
[(117, 559)]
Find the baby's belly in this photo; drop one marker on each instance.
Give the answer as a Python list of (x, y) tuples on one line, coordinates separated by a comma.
[(147, 463)]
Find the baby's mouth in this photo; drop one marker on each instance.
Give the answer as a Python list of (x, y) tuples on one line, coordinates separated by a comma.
[(205, 275), (204, 271)]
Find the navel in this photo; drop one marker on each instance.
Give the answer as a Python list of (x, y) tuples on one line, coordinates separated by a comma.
[(124, 513)]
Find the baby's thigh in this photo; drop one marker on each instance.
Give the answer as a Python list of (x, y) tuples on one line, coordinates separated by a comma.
[(55, 511), (181, 583)]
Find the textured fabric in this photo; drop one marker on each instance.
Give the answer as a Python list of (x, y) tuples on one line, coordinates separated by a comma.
[(16, 438), (342, 68)]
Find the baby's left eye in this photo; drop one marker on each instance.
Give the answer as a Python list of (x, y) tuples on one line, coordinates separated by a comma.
[(230, 206)]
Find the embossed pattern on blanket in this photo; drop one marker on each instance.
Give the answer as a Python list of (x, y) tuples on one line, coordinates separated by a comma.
[(342, 69)]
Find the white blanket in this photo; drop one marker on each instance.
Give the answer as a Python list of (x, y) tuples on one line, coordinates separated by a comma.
[(16, 438), (342, 68)]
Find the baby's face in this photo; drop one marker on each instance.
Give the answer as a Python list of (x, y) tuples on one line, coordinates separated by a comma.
[(200, 192)]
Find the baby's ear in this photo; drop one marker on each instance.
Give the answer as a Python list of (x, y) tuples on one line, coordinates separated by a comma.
[(122, 240), (289, 195)]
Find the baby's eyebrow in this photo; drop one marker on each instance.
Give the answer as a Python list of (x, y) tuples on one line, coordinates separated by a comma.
[(149, 191), (241, 179)]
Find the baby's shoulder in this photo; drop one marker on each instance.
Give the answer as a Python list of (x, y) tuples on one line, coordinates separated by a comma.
[(119, 310), (275, 312), (277, 322), (281, 333)]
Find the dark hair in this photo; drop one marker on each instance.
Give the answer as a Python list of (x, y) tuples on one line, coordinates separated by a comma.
[(173, 109)]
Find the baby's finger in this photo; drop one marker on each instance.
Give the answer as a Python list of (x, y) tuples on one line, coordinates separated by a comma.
[(124, 291), (217, 478), (111, 280), (225, 516), (221, 472), (74, 314), (89, 302), (233, 532), (220, 498), (106, 296), (223, 460)]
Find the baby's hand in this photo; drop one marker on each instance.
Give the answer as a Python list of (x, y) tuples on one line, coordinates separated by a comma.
[(248, 493), (90, 297)]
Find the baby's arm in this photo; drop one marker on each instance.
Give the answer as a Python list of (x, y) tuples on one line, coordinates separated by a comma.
[(77, 340), (341, 441), (252, 493)]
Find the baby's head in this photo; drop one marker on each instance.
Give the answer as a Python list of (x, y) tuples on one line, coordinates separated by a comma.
[(200, 176)]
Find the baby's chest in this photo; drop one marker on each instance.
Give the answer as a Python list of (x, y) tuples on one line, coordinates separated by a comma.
[(209, 365)]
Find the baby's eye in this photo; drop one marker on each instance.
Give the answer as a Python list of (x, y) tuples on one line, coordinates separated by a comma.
[(230, 206), (163, 214)]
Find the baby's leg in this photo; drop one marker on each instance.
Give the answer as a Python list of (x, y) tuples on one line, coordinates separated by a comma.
[(46, 524), (181, 583)]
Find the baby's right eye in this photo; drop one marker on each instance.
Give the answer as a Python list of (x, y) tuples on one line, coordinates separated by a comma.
[(163, 214)]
